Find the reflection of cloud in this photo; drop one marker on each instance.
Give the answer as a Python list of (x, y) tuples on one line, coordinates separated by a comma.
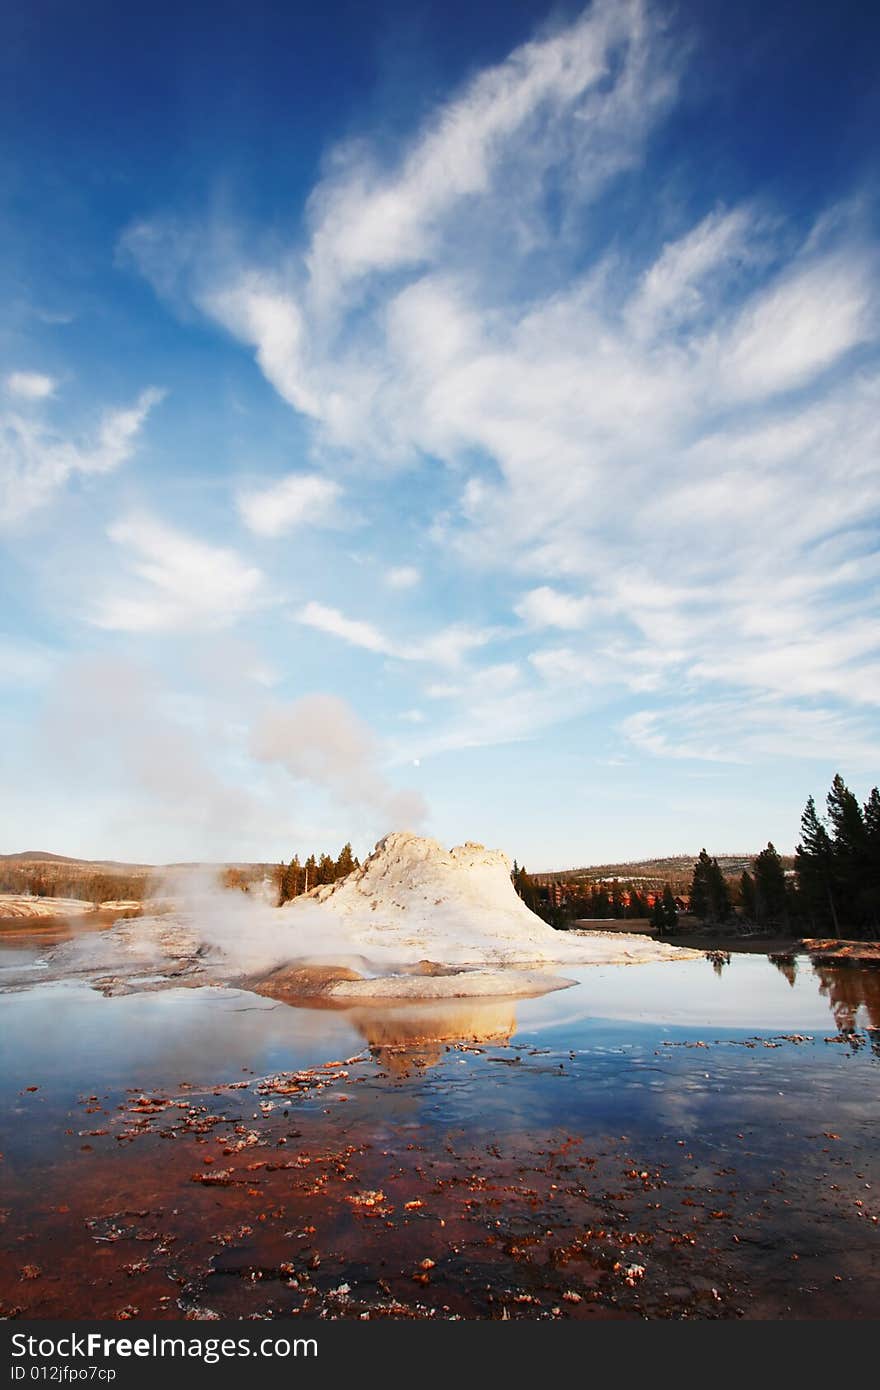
[(750, 994)]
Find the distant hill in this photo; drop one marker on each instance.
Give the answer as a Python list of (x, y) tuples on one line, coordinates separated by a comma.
[(28, 856), (42, 856), (672, 869)]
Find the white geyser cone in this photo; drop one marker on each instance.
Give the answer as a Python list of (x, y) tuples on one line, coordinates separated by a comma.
[(412, 900)]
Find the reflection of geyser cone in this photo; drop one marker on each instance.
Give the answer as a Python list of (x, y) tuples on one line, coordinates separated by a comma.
[(402, 1035)]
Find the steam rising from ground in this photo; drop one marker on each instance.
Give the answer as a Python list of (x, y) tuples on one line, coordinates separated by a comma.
[(249, 933)]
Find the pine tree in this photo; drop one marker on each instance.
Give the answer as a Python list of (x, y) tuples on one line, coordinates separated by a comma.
[(639, 906), (710, 897), (670, 910), (310, 874), (280, 876), (719, 893), (871, 889), (849, 851), (658, 917), (747, 895), (846, 821), (326, 869), (771, 899), (526, 890), (700, 887), (813, 866), (345, 861)]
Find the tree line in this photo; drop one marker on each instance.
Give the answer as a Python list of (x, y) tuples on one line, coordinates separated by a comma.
[(835, 886), (619, 899), (295, 878), (61, 881)]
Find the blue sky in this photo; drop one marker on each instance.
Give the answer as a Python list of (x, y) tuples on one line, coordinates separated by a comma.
[(463, 417)]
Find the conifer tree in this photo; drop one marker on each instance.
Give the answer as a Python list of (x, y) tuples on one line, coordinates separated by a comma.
[(345, 861), (747, 895), (281, 883), (658, 917), (771, 900), (526, 890), (310, 874), (670, 911), (813, 864), (846, 822), (871, 889), (849, 852), (710, 898)]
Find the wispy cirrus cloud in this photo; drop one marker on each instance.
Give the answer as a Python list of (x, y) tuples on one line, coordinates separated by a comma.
[(726, 731), (37, 458), (447, 646), (177, 581)]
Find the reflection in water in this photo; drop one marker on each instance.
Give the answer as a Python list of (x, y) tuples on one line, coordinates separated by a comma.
[(786, 965), (543, 1179), (848, 990), (397, 1033)]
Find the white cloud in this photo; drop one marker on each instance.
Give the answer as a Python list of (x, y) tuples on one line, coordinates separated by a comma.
[(257, 310), (450, 645), (727, 731), (31, 386), (182, 583), (690, 272), (356, 633), (547, 607), (669, 445), (446, 647), (799, 326), (599, 74), (402, 577), (297, 499), (36, 460)]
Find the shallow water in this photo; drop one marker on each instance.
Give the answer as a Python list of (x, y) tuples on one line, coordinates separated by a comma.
[(725, 1117)]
